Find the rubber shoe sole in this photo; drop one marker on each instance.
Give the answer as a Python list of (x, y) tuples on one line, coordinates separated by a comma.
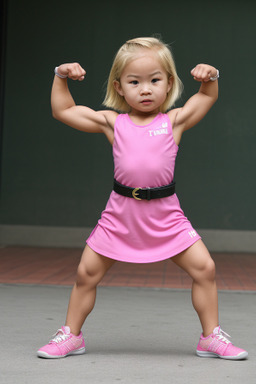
[(241, 356), (45, 355)]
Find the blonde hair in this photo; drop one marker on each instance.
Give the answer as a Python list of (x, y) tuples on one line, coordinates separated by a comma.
[(125, 54)]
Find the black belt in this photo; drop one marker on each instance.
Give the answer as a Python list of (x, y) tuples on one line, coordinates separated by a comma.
[(144, 193)]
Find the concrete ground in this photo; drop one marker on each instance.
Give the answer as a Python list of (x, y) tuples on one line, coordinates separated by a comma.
[(134, 335)]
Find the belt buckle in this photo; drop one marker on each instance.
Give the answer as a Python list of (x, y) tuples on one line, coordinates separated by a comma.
[(135, 194)]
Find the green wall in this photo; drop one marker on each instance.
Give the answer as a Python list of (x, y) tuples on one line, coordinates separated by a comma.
[(53, 175)]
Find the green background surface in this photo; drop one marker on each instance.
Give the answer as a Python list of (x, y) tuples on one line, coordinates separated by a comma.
[(54, 175)]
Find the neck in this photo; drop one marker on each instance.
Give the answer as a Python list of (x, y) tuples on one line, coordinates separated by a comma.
[(142, 118)]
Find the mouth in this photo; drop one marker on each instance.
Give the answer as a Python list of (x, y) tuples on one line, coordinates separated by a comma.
[(146, 101)]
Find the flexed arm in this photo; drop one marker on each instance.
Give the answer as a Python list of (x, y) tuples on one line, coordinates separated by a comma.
[(198, 105), (65, 109), (61, 98)]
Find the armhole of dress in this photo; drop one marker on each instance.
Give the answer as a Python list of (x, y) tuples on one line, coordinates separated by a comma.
[(171, 126), (116, 121), (115, 129)]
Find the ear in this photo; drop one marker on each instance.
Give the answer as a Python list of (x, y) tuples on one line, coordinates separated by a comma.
[(118, 88), (170, 83)]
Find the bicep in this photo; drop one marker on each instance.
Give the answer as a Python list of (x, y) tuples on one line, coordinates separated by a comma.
[(196, 108), (193, 111), (83, 119)]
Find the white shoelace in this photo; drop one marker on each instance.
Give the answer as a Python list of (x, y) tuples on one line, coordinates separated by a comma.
[(59, 336), (222, 336)]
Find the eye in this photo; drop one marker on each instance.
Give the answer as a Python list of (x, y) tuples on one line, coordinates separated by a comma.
[(134, 82), (155, 80)]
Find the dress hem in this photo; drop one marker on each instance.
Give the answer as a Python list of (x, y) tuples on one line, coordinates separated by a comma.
[(141, 260)]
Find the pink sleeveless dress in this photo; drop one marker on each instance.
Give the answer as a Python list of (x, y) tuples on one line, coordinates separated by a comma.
[(141, 231)]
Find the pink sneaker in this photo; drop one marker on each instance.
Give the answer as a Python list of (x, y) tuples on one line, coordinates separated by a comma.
[(63, 344), (217, 345)]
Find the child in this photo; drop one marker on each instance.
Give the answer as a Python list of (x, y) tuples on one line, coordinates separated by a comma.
[(143, 221)]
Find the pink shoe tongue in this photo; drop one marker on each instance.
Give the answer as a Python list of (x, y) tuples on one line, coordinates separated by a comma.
[(66, 330)]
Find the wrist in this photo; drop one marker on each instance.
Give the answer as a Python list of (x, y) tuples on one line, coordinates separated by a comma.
[(214, 78), (59, 75)]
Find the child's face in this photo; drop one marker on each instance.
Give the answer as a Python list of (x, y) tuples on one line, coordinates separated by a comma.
[(144, 83)]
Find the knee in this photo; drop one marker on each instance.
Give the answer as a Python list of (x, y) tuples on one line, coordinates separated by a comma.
[(206, 272), (209, 270), (85, 276)]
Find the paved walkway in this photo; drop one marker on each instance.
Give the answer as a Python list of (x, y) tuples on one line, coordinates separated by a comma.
[(57, 266), (135, 335)]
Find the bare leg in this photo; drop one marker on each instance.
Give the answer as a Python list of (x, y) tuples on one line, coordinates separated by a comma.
[(197, 262), (91, 270)]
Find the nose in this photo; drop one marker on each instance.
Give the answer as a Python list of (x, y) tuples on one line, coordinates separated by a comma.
[(145, 90)]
